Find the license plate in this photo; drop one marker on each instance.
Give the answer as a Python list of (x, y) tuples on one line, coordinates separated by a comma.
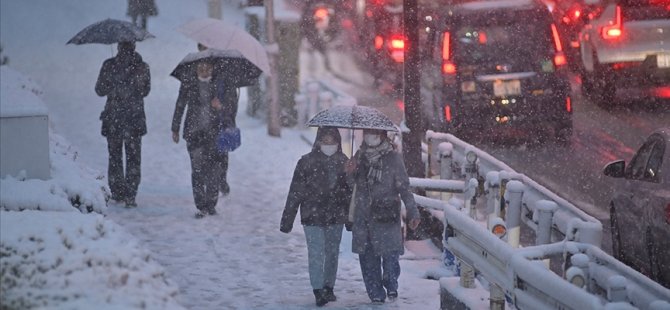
[(663, 60), (506, 88)]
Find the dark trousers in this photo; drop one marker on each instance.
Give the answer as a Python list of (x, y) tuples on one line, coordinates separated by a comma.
[(206, 173), (223, 181), (379, 272), (124, 182), (142, 23)]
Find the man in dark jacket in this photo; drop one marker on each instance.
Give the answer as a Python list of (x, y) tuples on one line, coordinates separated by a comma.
[(201, 128), (141, 9), (125, 80), (319, 189)]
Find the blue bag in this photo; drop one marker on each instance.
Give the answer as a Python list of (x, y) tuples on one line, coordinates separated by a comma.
[(229, 139)]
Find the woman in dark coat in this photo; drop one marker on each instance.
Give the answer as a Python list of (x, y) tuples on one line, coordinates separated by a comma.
[(125, 80), (381, 182), (141, 9), (320, 191), (201, 128)]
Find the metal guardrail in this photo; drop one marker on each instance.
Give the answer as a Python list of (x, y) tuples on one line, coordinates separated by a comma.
[(564, 236)]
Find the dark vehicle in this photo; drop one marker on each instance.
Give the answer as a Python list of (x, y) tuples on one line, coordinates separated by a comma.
[(499, 67), (640, 208), (570, 17)]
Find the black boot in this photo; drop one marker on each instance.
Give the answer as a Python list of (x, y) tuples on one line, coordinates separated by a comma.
[(328, 293), (320, 298)]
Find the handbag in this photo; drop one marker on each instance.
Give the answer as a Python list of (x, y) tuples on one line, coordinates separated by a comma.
[(229, 139)]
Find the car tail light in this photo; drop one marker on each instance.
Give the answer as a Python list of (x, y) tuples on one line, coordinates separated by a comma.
[(447, 113), (379, 42), (397, 48), (559, 57), (568, 104), (448, 67), (613, 31), (321, 13)]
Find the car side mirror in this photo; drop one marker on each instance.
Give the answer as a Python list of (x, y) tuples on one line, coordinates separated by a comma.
[(615, 169)]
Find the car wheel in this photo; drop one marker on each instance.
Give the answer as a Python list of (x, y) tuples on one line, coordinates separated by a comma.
[(617, 250)]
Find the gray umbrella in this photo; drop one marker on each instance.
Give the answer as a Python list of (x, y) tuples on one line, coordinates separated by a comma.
[(110, 31), (352, 117)]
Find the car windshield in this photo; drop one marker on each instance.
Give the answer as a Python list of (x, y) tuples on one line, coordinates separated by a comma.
[(518, 40), (645, 9)]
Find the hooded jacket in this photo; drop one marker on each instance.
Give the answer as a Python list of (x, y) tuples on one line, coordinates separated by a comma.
[(125, 80), (318, 188)]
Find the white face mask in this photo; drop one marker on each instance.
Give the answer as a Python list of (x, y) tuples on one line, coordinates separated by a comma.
[(207, 79), (372, 139), (328, 149)]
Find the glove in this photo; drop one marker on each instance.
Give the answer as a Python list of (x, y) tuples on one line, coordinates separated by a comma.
[(285, 228), (348, 225)]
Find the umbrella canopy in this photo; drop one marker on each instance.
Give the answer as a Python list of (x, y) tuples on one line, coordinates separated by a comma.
[(217, 34), (353, 117), (110, 31), (229, 65)]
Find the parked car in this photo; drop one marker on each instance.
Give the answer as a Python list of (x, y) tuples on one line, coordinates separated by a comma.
[(499, 66), (625, 46), (640, 208)]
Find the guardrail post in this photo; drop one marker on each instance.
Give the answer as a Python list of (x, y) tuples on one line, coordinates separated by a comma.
[(616, 289), (492, 195), (513, 196), (545, 210), (578, 273), (585, 232), (467, 275), (446, 161), (497, 298), (470, 194)]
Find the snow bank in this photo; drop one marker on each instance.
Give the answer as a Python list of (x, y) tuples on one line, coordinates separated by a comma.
[(69, 260)]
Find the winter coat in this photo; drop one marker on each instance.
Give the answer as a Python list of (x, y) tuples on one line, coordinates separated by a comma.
[(142, 7), (319, 189), (203, 123), (377, 206), (125, 80)]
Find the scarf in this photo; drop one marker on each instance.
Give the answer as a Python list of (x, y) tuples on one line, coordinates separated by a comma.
[(372, 155)]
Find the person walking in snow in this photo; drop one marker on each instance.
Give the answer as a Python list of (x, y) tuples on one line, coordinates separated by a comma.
[(381, 182), (229, 96), (319, 189), (125, 80), (201, 128), (140, 10)]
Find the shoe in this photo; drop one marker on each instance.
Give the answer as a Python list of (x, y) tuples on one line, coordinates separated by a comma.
[(328, 294), (200, 214), (211, 211), (130, 203), (377, 301), (225, 189), (320, 298), (392, 295)]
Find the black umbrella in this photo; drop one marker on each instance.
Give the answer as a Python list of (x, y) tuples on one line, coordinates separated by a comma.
[(110, 31), (352, 117), (228, 64)]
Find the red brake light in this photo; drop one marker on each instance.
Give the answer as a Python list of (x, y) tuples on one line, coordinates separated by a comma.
[(448, 67), (447, 114), (568, 104), (613, 31), (379, 42), (321, 13), (398, 43), (559, 58)]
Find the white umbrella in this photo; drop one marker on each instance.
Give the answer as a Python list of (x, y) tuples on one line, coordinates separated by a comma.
[(215, 33)]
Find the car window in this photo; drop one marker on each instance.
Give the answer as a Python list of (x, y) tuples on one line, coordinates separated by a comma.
[(521, 39), (655, 161), (646, 163)]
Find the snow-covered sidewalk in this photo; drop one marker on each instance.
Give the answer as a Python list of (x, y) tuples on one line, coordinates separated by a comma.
[(235, 260)]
